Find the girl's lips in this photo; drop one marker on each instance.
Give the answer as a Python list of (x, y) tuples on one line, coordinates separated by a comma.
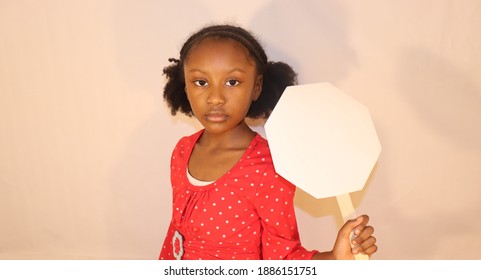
[(216, 117)]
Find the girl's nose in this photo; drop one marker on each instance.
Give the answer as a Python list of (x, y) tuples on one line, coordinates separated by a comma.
[(216, 96)]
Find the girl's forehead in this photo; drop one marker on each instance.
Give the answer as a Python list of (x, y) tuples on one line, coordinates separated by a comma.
[(217, 45)]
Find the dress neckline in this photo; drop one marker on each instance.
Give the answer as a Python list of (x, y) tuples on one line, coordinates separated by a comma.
[(219, 182)]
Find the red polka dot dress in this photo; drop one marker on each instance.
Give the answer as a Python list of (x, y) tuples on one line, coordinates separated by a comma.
[(246, 214)]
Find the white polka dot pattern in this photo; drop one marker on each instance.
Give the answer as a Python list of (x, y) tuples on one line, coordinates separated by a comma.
[(246, 214)]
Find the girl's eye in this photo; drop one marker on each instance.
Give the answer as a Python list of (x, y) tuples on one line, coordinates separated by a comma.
[(200, 83), (232, 83)]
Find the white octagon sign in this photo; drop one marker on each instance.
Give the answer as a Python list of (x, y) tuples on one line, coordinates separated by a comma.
[(322, 140)]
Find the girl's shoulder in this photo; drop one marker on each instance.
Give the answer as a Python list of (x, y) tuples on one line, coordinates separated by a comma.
[(261, 146), (188, 141)]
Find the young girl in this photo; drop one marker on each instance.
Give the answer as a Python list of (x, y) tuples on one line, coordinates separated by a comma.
[(228, 200)]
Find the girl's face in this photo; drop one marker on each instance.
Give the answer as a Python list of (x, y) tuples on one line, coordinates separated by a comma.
[(221, 83)]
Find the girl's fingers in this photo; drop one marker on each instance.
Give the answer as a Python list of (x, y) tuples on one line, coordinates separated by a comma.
[(361, 223), (362, 235), (355, 226), (364, 242), (367, 247)]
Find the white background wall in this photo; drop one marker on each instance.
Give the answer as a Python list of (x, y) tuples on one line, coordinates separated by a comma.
[(85, 138)]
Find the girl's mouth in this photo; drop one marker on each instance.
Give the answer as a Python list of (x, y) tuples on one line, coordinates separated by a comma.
[(216, 116)]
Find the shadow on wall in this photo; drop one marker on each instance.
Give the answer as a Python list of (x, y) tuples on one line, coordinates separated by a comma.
[(443, 96), (328, 206), (312, 38), (448, 100)]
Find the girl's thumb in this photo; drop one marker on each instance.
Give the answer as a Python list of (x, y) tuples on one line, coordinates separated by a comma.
[(349, 226)]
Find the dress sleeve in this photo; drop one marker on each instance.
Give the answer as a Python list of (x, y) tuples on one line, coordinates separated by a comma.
[(275, 206), (166, 253)]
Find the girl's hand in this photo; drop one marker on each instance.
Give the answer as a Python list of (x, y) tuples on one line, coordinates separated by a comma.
[(362, 242)]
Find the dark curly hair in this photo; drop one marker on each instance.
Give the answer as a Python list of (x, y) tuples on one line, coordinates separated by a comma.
[(276, 75)]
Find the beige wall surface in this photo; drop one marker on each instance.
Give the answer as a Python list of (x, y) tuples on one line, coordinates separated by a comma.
[(85, 138)]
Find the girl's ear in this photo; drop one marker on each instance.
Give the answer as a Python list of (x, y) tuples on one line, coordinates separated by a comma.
[(258, 87)]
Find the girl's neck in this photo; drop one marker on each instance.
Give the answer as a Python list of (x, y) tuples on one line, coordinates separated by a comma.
[(240, 137)]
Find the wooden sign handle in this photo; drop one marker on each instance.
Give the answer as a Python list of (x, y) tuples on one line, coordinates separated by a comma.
[(347, 212)]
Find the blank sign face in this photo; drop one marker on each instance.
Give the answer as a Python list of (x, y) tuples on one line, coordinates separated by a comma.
[(322, 140)]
